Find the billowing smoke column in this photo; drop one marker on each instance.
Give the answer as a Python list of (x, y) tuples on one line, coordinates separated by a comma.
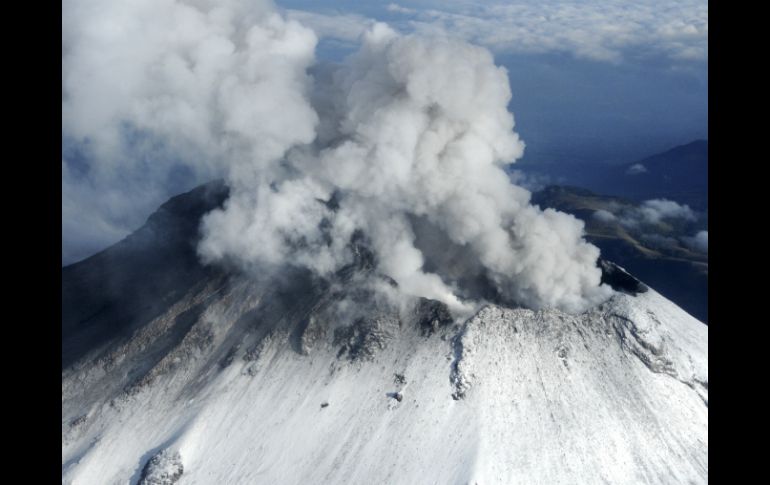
[(159, 95), (408, 127)]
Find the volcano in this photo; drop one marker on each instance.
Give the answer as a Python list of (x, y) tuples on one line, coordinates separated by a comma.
[(178, 372)]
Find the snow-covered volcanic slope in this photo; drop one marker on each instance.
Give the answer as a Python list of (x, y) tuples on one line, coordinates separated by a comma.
[(175, 373)]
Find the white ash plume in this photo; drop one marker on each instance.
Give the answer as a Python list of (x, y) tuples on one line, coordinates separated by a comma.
[(412, 126), (408, 128)]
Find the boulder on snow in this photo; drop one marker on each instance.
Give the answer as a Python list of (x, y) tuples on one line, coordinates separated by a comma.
[(619, 279), (165, 468), (432, 315)]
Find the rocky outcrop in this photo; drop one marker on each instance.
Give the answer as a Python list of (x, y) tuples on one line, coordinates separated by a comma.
[(164, 468)]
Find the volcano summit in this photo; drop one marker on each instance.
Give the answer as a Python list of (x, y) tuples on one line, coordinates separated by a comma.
[(176, 372)]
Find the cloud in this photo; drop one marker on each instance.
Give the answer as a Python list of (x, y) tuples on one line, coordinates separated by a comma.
[(604, 216), (602, 31), (529, 180), (699, 242), (343, 27), (608, 31), (409, 127), (636, 169), (394, 7), (655, 210)]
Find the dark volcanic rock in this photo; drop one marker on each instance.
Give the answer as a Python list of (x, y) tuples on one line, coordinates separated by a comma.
[(364, 337), (619, 280), (165, 468), (432, 315)]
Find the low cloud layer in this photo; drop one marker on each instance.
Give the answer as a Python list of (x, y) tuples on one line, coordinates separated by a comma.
[(531, 181), (608, 31), (408, 128), (655, 210), (604, 215), (649, 212), (699, 242)]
